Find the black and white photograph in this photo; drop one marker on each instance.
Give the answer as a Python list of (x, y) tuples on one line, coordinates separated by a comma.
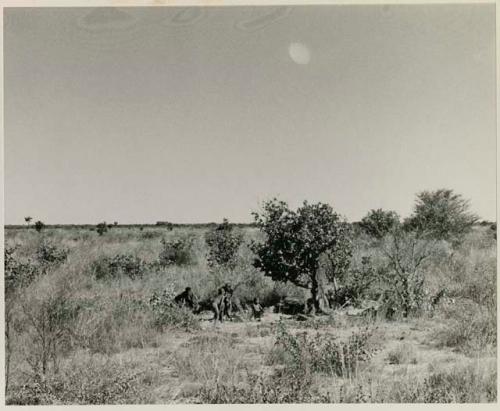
[(237, 203)]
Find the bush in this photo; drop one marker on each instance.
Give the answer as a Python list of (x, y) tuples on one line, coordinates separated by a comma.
[(120, 264), (223, 245), (168, 314), (378, 223), (39, 226), (402, 274), (48, 323), (50, 254), (18, 273), (176, 251), (101, 228)]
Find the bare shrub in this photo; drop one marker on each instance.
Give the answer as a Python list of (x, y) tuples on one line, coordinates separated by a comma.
[(49, 315), (403, 275)]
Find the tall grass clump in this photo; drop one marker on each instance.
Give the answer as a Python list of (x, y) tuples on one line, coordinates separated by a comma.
[(321, 353), (84, 380)]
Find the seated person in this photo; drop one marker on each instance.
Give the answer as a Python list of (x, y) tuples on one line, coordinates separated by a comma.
[(257, 310), (186, 298)]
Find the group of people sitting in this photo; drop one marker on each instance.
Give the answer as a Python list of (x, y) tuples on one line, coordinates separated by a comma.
[(222, 305)]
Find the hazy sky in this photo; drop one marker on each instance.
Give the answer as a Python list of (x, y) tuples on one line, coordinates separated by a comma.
[(192, 115)]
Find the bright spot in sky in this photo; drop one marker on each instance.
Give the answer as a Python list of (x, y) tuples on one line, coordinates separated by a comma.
[(299, 53)]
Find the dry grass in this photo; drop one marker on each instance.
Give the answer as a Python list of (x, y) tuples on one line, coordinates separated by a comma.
[(114, 352)]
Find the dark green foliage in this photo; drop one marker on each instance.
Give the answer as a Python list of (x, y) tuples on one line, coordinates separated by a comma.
[(223, 244), (442, 215), (378, 223), (176, 252), (39, 225), (121, 264), (295, 241), (101, 228)]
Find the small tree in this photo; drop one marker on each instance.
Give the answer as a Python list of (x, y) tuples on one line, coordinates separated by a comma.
[(28, 220), (101, 228), (223, 244), (295, 242), (378, 223), (39, 225), (441, 214)]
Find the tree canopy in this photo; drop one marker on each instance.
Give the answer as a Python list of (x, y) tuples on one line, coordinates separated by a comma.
[(441, 214), (296, 240)]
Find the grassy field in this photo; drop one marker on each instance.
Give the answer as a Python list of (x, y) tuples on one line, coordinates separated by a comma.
[(84, 329)]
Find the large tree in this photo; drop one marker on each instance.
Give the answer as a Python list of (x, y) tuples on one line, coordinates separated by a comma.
[(441, 214), (296, 241)]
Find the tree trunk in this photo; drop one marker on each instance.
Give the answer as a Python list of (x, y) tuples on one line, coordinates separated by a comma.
[(320, 301)]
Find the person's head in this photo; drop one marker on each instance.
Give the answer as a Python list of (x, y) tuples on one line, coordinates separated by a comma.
[(227, 288), (256, 300), (220, 291)]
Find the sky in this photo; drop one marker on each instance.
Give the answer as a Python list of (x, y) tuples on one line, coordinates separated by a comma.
[(189, 115)]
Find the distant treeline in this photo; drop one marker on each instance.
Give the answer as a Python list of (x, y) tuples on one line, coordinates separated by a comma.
[(355, 224), (156, 225)]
